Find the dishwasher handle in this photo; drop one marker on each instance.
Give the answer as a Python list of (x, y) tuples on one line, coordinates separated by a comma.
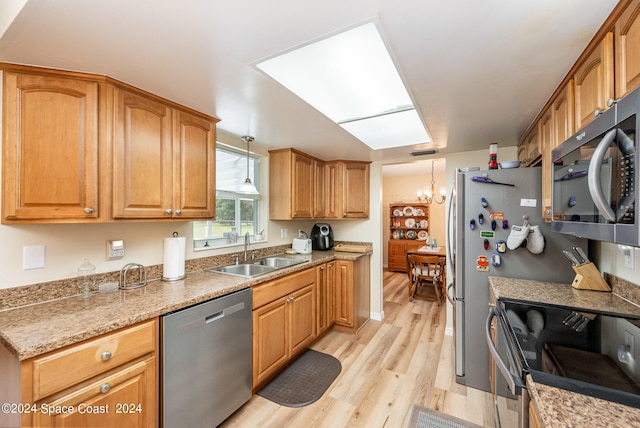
[(512, 381), (225, 312)]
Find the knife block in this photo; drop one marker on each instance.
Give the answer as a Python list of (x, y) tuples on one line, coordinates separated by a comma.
[(588, 278)]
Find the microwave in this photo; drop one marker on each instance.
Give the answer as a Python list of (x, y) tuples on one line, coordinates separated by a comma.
[(595, 184)]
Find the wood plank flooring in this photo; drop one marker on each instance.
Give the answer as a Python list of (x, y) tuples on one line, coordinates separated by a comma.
[(386, 368)]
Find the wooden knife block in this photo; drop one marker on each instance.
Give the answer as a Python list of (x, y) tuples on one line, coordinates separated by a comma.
[(588, 278)]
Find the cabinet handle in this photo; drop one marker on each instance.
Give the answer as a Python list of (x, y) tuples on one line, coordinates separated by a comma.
[(104, 388), (597, 112), (88, 210), (295, 213), (169, 211), (290, 299), (178, 212), (344, 214), (321, 267), (106, 356)]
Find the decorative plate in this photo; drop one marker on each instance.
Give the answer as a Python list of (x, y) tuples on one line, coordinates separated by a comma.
[(396, 234), (411, 234), (396, 223), (423, 235), (397, 212), (408, 210), (419, 211), (424, 224), (410, 222)]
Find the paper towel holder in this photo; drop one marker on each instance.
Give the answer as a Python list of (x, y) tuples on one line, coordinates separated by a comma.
[(180, 276)]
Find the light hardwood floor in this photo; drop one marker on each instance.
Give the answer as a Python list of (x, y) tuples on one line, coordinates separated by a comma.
[(386, 368)]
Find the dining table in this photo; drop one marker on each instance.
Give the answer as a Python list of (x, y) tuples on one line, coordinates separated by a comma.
[(426, 250)]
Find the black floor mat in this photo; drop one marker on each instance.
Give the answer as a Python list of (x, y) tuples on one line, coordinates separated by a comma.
[(304, 380)]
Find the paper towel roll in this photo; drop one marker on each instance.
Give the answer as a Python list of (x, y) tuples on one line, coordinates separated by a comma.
[(174, 251)]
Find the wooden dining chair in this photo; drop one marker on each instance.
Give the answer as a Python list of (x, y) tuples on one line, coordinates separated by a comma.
[(426, 273)]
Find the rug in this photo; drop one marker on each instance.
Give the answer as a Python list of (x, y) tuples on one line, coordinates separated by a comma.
[(304, 381), (422, 417)]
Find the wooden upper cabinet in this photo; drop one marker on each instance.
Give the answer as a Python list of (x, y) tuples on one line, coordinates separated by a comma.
[(627, 47), (303, 187), (142, 157), (531, 146), (291, 185), (163, 162), (562, 111), (194, 166), (319, 201), (355, 196), (546, 126), (50, 154), (594, 81)]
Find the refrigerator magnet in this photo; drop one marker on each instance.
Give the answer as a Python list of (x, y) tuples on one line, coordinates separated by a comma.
[(501, 246), (496, 260), (482, 264), (484, 203)]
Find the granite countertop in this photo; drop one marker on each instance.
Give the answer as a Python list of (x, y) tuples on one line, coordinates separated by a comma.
[(558, 407), (34, 329)]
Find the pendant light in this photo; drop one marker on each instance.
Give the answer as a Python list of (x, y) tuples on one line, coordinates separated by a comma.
[(248, 187)]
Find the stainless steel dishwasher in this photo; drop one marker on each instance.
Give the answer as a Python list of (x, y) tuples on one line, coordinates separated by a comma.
[(206, 361)]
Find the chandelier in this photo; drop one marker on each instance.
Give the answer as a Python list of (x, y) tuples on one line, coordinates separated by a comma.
[(428, 195)]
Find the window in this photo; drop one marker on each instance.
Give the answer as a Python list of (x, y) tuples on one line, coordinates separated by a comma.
[(236, 213)]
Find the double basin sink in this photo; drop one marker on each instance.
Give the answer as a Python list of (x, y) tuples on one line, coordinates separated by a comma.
[(257, 267)]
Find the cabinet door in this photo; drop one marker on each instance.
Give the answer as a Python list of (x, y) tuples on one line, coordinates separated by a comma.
[(302, 318), (344, 292), (355, 197), (332, 186), (302, 187), (270, 340), (321, 291), (531, 146), (126, 398), (143, 157), (594, 82), (50, 156), (318, 189), (563, 115), (194, 167), (546, 143), (627, 47), (331, 294)]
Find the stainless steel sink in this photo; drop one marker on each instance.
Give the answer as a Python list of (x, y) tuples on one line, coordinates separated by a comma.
[(257, 267), (278, 262), (245, 270)]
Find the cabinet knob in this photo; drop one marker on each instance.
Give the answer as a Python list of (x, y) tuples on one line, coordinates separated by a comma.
[(88, 210), (178, 212), (547, 212), (597, 112), (106, 356), (169, 211), (295, 213), (321, 267), (344, 214), (104, 388), (611, 102), (290, 299)]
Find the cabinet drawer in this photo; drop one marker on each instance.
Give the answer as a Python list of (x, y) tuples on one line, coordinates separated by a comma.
[(273, 290), (60, 369)]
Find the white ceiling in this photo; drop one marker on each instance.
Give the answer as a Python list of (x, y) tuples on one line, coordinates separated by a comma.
[(478, 71)]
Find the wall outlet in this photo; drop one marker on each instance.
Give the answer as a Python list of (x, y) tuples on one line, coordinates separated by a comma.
[(301, 233), (115, 249), (33, 257), (629, 339), (284, 233), (628, 255)]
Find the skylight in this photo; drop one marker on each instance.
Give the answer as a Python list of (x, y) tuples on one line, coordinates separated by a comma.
[(351, 79)]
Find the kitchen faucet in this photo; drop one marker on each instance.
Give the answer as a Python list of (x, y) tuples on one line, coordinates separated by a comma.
[(246, 244)]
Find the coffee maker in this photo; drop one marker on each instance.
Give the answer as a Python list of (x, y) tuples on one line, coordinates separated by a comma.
[(322, 237)]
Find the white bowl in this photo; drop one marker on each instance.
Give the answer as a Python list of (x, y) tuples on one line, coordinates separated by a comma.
[(509, 164)]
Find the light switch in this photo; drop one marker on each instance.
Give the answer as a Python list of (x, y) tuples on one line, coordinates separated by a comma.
[(33, 257)]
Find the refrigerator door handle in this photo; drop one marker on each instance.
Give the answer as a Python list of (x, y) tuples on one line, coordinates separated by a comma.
[(450, 298)]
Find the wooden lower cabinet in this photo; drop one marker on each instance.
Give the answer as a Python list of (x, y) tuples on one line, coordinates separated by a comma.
[(108, 381), (353, 304), (326, 296), (397, 254), (284, 322)]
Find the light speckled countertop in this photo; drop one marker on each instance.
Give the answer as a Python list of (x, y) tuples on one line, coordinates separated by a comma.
[(32, 330), (558, 407)]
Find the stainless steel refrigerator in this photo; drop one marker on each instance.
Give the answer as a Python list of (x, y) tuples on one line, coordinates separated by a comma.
[(483, 207)]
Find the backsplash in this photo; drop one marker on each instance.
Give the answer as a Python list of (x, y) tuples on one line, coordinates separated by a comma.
[(623, 288), (46, 291)]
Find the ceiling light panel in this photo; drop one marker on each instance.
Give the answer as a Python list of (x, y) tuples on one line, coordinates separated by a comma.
[(348, 77)]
